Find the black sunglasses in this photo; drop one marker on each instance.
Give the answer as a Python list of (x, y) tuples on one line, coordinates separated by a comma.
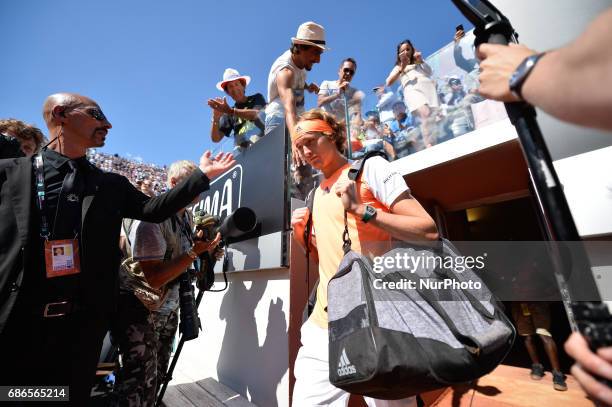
[(349, 71), (94, 112)]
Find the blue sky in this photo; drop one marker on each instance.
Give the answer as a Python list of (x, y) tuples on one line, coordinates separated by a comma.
[(151, 65)]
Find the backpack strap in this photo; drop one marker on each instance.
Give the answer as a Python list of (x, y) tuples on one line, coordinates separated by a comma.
[(354, 173), (357, 166)]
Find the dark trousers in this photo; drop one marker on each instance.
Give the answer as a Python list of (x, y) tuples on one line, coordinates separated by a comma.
[(61, 351)]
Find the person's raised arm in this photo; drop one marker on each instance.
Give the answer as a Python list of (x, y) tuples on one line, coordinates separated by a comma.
[(136, 205), (570, 83), (284, 80), (215, 134)]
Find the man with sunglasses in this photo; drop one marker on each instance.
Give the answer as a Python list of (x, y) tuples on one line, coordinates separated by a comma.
[(55, 311), (331, 93)]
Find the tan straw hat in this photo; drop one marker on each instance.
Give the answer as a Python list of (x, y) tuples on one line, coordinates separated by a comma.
[(311, 33)]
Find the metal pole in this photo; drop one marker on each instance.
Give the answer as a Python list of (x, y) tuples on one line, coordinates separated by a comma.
[(349, 152)]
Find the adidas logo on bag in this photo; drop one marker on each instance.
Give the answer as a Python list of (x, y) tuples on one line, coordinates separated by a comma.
[(344, 366)]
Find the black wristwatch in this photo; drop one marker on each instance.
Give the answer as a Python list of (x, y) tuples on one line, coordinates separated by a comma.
[(518, 78), (369, 213)]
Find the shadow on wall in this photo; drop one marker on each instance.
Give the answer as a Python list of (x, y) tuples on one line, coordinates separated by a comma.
[(250, 251), (243, 365)]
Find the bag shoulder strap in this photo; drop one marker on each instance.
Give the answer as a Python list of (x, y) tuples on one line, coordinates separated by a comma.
[(126, 224), (354, 173), (357, 166)]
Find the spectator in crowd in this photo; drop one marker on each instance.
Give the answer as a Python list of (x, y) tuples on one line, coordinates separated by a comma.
[(515, 72), (457, 94), (147, 187), (331, 94), (29, 137), (55, 315), (397, 216), (374, 136), (463, 52), (144, 333), (286, 85), (243, 119), (401, 120), (403, 144), (464, 55), (386, 100), (419, 89)]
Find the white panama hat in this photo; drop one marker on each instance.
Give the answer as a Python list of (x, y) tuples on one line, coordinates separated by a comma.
[(310, 33), (230, 75)]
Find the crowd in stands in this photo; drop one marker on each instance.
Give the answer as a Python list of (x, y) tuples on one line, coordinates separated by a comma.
[(142, 175)]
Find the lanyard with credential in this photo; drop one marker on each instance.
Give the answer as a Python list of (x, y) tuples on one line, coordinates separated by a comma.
[(40, 195), (61, 256)]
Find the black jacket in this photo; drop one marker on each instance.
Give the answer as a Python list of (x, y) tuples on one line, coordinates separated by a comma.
[(111, 198)]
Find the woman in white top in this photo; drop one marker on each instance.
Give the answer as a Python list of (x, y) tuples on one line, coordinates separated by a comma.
[(419, 89)]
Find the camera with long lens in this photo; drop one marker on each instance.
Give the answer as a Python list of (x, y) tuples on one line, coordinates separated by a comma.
[(189, 325), (241, 222)]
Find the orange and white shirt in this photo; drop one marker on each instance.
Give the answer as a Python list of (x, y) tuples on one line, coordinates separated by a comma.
[(378, 186)]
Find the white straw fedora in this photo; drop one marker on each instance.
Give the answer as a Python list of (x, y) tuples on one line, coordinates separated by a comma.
[(310, 33), (230, 75)]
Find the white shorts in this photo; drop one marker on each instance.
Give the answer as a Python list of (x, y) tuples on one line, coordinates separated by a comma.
[(312, 385)]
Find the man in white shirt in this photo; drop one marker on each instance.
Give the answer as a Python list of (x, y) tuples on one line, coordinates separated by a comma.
[(331, 93), (286, 85)]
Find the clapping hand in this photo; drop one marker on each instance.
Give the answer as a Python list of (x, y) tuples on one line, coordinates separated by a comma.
[(417, 57), (220, 105)]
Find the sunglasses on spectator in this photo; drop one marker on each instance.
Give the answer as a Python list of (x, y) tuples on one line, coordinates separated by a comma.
[(349, 71), (94, 112)]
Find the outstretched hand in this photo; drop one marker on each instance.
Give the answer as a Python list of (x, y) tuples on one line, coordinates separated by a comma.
[(312, 88), (213, 167)]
